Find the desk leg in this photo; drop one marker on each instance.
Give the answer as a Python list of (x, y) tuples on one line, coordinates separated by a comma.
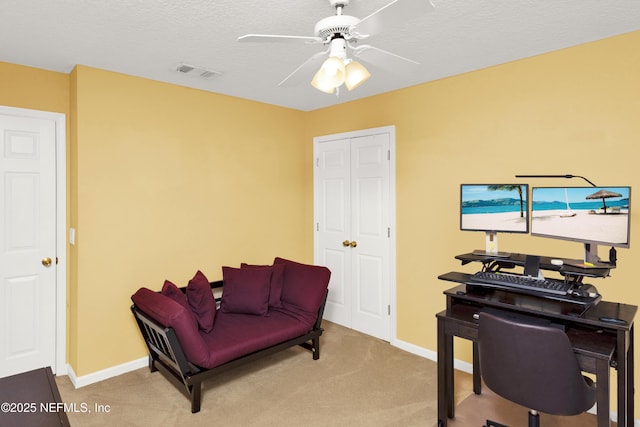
[(625, 378), (624, 350), (630, 382), (602, 393), (477, 378), (446, 405), (451, 404)]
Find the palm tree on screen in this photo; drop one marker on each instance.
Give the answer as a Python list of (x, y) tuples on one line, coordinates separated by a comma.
[(518, 188)]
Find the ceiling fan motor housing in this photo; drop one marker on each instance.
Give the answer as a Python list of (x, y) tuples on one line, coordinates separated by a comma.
[(338, 48), (338, 24)]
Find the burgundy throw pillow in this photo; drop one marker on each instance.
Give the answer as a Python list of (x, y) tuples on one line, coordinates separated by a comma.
[(305, 285), (245, 290), (202, 301), (277, 282), (170, 290)]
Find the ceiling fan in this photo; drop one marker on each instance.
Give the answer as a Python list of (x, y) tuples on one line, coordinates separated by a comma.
[(340, 34)]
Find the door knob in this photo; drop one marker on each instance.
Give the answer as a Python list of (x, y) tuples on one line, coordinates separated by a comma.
[(353, 244), (46, 261), (345, 243)]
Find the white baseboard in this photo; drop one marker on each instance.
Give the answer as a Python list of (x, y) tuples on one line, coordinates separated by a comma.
[(414, 349), (105, 374), (432, 355), (468, 368)]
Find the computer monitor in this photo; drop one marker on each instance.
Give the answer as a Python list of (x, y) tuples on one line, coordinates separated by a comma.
[(590, 215), (494, 208)]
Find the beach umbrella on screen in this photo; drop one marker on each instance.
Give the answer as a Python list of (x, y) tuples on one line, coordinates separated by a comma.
[(603, 194)]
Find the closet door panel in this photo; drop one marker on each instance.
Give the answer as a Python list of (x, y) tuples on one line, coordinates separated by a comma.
[(333, 211), (370, 230)]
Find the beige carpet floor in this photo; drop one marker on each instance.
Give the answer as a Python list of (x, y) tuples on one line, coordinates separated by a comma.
[(358, 381)]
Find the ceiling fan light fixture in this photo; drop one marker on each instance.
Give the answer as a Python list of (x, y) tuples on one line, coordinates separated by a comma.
[(330, 75), (355, 74), (321, 83), (333, 70)]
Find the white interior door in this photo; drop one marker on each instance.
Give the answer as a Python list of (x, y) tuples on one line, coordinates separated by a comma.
[(28, 244), (353, 236), (333, 225), (370, 235)]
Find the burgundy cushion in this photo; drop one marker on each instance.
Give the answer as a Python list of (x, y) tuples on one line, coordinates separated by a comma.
[(245, 290), (170, 290), (169, 313), (202, 301), (305, 286), (236, 334), (277, 282)]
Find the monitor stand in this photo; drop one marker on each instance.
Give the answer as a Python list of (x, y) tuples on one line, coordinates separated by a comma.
[(491, 247), (591, 258), (591, 253), (532, 267)]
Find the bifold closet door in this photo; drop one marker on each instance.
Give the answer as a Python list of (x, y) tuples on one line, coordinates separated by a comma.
[(353, 230)]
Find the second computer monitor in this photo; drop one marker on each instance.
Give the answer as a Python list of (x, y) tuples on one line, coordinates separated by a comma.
[(598, 215)]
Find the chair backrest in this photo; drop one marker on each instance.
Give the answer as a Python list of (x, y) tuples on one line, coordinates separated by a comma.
[(532, 363)]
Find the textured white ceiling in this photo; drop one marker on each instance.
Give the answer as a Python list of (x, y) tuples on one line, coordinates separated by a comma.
[(149, 38)]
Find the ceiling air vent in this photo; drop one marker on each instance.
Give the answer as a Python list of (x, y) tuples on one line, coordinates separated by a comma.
[(194, 71)]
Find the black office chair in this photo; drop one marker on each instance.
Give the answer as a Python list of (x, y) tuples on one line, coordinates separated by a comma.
[(530, 362)]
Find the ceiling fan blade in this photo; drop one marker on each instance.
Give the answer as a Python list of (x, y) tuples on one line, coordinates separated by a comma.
[(395, 13), (269, 38), (304, 71), (383, 59)]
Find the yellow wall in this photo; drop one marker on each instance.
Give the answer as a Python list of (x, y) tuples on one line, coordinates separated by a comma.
[(33, 88), (171, 180), (165, 180)]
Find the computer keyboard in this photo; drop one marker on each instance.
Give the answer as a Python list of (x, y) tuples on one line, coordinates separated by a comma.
[(524, 283)]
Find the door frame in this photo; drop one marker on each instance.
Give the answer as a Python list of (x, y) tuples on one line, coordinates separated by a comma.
[(391, 130), (60, 365)]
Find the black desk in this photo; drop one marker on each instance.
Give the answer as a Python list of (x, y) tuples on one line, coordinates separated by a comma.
[(32, 399), (598, 345)]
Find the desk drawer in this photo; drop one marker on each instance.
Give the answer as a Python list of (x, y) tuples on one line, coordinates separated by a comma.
[(465, 331), (460, 329), (460, 322)]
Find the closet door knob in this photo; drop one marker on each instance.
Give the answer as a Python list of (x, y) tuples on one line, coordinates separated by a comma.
[(345, 243), (353, 244)]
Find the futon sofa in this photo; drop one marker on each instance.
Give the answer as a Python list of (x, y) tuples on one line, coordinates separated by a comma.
[(192, 336)]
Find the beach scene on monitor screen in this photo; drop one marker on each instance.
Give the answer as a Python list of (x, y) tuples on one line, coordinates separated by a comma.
[(494, 208), (582, 213)]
